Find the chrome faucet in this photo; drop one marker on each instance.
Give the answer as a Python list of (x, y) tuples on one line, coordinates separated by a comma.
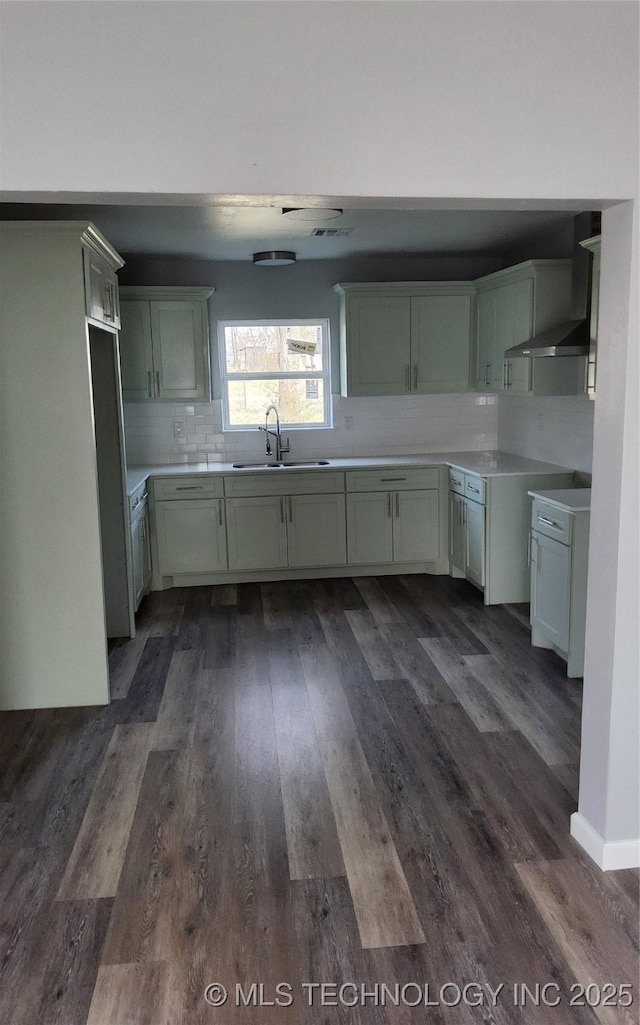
[(280, 448)]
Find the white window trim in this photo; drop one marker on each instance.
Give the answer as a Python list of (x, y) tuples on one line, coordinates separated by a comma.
[(324, 375)]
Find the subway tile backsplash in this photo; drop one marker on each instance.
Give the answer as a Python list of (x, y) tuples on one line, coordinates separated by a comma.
[(393, 425), (556, 429)]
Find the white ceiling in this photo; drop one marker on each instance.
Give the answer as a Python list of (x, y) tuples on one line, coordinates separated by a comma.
[(235, 232)]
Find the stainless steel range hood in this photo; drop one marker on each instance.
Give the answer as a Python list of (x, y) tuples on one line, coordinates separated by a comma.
[(572, 337)]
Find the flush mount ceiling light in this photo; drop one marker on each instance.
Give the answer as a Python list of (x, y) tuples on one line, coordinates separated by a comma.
[(274, 258), (311, 213)]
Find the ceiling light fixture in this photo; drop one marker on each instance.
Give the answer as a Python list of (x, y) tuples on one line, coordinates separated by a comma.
[(274, 258), (311, 213)]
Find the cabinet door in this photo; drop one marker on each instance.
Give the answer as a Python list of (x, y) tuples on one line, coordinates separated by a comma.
[(101, 290), (137, 531), (257, 533), (136, 360), (551, 589), (514, 323), (370, 527), (518, 375), (440, 339), (415, 526), (178, 349), (145, 551), (456, 531), (316, 530), (378, 333), (485, 340), (191, 536), (474, 541)]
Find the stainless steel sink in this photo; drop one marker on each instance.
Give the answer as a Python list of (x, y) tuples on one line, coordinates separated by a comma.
[(275, 466), (255, 466), (307, 462)]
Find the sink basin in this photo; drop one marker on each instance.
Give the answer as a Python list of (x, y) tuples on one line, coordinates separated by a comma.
[(255, 466), (307, 462), (274, 466)]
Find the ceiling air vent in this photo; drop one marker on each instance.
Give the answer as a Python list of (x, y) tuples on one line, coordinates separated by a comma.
[(331, 232)]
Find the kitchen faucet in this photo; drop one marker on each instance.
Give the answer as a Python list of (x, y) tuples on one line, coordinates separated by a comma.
[(280, 448)]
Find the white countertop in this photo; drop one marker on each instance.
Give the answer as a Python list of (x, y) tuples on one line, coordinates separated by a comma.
[(568, 499), (486, 464)]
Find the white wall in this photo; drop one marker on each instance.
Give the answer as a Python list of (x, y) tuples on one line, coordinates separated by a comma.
[(379, 99), (465, 102), (554, 428)]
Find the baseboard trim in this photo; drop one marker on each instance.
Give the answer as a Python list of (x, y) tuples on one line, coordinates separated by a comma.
[(608, 856)]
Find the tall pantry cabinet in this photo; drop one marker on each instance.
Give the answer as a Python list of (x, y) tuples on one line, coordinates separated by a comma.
[(59, 297)]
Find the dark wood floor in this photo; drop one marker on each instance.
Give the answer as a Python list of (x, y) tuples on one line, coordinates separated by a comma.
[(332, 781)]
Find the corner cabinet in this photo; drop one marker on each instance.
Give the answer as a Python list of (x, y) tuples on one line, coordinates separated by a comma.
[(410, 337), (512, 306), (164, 344)]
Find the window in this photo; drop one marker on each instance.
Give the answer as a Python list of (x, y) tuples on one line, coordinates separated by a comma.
[(284, 363)]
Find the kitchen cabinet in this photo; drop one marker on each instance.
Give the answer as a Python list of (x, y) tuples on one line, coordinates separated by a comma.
[(404, 338), (512, 305), (102, 300), (558, 552), (467, 540), (278, 521), (489, 521), (191, 536), (594, 246), (140, 544), (257, 532), (164, 344), (190, 527), (397, 522)]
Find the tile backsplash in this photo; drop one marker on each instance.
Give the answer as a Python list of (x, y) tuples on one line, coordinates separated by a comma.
[(394, 425), (556, 429)]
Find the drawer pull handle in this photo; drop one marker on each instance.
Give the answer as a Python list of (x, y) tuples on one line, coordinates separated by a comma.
[(549, 523), (454, 480), (386, 480), (190, 487), (470, 487)]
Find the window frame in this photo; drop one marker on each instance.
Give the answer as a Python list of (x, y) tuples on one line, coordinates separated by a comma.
[(323, 375)]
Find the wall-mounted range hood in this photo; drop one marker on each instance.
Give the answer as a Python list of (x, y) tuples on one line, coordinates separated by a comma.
[(572, 337)]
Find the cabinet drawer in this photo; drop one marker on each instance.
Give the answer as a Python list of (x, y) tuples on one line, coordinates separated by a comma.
[(392, 480), (552, 522), (456, 481), (137, 498), (200, 486), (474, 488), (284, 482)]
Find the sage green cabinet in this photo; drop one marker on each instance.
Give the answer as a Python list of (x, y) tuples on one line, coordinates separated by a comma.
[(474, 541), (164, 348), (279, 531), (594, 245), (456, 532), (393, 526), (191, 536), (102, 301), (316, 530), (140, 554), (550, 589), (405, 338), (257, 532), (512, 306)]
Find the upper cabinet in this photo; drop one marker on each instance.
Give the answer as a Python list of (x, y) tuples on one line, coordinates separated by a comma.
[(100, 282), (405, 337), (593, 245), (164, 344), (512, 306)]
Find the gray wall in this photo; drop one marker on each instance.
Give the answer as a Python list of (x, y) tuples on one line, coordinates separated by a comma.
[(303, 290)]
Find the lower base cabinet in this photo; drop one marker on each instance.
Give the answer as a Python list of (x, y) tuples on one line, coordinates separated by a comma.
[(393, 526), (141, 555), (280, 531), (191, 536), (474, 566)]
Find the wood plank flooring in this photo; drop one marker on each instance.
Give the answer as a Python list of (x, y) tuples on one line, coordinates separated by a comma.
[(364, 782)]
